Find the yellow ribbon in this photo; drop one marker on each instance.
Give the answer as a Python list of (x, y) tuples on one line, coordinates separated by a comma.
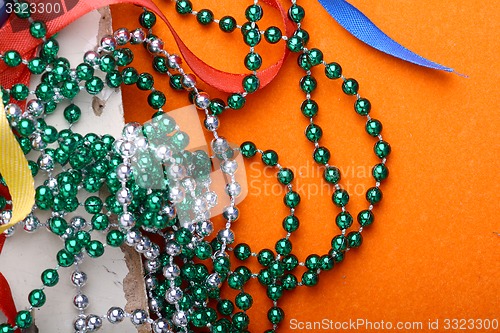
[(16, 173)]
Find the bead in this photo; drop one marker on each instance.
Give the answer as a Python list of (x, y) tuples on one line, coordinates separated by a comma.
[(24, 319), (37, 65), (303, 36), (312, 262), (113, 79), (315, 56), (138, 317), (211, 123), (6, 328), (290, 223), (332, 174), (108, 44), (380, 172), (251, 83), (333, 70), (225, 307), (115, 315), (19, 92), (248, 149), (373, 195), (321, 155), (44, 92), (291, 199), (156, 99), (354, 239), (231, 213), (189, 81), (81, 301), (37, 298), (236, 101), (115, 238), (343, 220), (202, 100), (72, 113), (272, 35), (205, 16), (227, 24), (270, 157), (365, 218), (294, 44), (296, 13), (14, 113), (362, 106), (145, 81), (95, 249), (382, 149), (91, 58), (303, 62), (275, 315), (122, 36), (285, 176), (309, 108), (137, 36), (350, 87), (12, 58), (183, 7), (289, 282), (310, 278), (93, 323), (290, 262), (373, 127), (308, 84), (65, 259), (254, 13), (226, 235), (154, 44), (94, 85), (252, 37), (339, 243), (253, 61), (283, 246), (313, 133), (107, 63), (84, 71), (242, 251), (147, 19), (265, 257), (161, 326), (340, 197)]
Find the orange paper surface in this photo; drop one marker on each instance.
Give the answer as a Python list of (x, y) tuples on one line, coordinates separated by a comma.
[(433, 252)]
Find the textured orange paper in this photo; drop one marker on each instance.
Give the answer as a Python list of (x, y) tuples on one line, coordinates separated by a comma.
[(434, 249)]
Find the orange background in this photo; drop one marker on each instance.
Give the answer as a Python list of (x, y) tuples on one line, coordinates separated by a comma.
[(434, 249)]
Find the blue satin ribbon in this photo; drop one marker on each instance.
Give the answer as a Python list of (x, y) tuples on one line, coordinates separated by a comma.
[(361, 27), (3, 13)]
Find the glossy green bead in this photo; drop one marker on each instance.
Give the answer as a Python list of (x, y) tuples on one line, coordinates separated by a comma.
[(37, 298), (309, 108), (38, 29), (72, 113), (25, 127), (198, 318), (312, 262), (244, 272), (222, 265), (340, 197), (65, 259), (5, 95), (247, 26), (147, 19), (225, 307), (243, 301), (251, 83), (373, 127), (70, 89), (49, 277), (235, 281), (254, 13), (275, 315), (217, 106), (94, 85), (240, 321), (49, 49), (294, 44), (303, 62), (43, 197), (44, 91), (285, 176), (227, 24), (130, 75), (365, 218), (291, 199), (270, 157), (12, 58), (303, 35), (123, 56), (175, 81), (24, 319), (321, 155), (296, 13), (253, 61), (23, 11), (84, 71), (203, 251), (95, 249), (156, 99), (308, 84), (343, 220), (315, 56), (252, 37), (242, 251), (160, 64), (362, 106), (290, 262), (115, 238), (114, 79), (331, 174), (373, 195), (248, 149), (380, 172), (25, 144), (236, 101), (19, 92), (333, 70), (83, 237), (3, 203), (205, 16), (310, 278), (73, 246), (265, 277), (6, 328), (60, 72), (265, 257), (283, 246), (183, 7), (273, 35), (290, 223), (350, 87), (382, 149), (145, 81), (289, 282), (354, 239), (326, 263), (276, 269), (37, 65), (58, 225), (339, 243)]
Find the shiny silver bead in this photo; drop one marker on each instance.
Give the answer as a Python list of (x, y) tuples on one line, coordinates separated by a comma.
[(78, 222), (176, 194), (13, 112), (229, 167), (69, 232), (31, 223), (35, 107), (132, 237), (169, 211), (123, 172), (37, 142), (45, 162), (78, 278), (154, 305), (51, 183), (79, 324), (180, 319), (115, 315), (211, 123), (152, 266), (126, 220), (127, 149), (155, 45), (123, 196), (10, 231), (220, 145), (204, 228), (161, 326), (94, 323), (174, 61), (171, 271), (143, 244), (231, 213), (91, 58), (108, 43), (176, 171), (153, 252), (122, 36), (213, 281), (189, 81), (173, 248), (173, 295), (79, 258), (137, 36), (81, 301), (202, 100), (163, 153), (151, 282), (211, 198), (131, 130), (139, 317), (226, 235), (5, 216), (233, 189)]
